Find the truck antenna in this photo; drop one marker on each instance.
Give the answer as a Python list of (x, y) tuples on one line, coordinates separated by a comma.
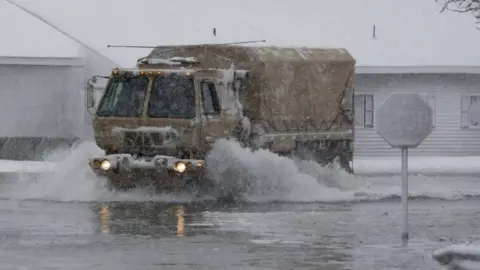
[(153, 47), (61, 31)]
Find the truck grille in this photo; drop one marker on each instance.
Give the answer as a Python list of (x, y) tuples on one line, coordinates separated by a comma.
[(143, 139)]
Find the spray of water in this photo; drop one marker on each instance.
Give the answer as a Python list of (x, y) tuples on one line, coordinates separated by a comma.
[(259, 176), (71, 180), (74, 181), (263, 176)]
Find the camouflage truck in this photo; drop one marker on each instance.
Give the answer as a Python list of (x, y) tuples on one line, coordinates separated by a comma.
[(156, 122)]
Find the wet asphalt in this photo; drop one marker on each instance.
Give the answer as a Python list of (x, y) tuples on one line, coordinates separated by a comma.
[(151, 235)]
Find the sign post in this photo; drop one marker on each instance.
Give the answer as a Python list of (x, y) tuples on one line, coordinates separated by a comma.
[(404, 120), (405, 195)]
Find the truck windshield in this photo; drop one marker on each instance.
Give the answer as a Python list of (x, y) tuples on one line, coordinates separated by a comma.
[(124, 97), (172, 96)]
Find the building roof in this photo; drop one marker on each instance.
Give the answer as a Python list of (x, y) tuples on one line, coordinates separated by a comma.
[(26, 40), (409, 34)]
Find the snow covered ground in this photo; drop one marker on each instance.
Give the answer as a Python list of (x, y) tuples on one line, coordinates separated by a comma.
[(463, 257), (418, 164), (362, 165)]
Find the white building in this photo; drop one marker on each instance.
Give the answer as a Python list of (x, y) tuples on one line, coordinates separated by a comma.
[(451, 96), (399, 46), (42, 78)]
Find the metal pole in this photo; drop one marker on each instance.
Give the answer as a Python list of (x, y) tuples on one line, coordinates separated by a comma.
[(405, 195), (201, 44)]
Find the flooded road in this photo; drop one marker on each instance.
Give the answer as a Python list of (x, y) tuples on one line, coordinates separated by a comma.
[(293, 216), (153, 235)]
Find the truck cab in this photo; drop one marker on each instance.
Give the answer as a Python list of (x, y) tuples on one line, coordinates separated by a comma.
[(166, 106)]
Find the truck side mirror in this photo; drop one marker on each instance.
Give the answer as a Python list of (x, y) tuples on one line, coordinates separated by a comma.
[(91, 95)]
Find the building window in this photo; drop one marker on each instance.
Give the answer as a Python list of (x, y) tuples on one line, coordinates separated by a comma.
[(430, 100), (470, 114), (364, 110)]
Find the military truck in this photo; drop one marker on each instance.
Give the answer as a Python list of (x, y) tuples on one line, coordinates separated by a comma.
[(157, 122)]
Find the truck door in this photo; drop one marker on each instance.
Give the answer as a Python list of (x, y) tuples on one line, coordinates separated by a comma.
[(216, 123)]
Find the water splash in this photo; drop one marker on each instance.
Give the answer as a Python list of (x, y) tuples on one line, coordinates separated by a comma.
[(259, 176), (263, 176)]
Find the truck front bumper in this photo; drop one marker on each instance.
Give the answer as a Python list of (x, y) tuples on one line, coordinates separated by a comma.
[(126, 163)]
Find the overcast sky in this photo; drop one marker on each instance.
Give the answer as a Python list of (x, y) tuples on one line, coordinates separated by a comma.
[(408, 32)]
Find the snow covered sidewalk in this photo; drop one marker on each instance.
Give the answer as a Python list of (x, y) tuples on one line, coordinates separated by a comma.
[(418, 164)]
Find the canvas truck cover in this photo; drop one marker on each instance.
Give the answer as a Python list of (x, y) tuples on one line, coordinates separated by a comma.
[(290, 89)]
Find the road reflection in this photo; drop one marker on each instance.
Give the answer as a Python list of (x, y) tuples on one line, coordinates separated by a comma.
[(104, 215), (306, 235), (180, 213), (151, 219)]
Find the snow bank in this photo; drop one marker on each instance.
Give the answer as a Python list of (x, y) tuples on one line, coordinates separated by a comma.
[(418, 164), (462, 257)]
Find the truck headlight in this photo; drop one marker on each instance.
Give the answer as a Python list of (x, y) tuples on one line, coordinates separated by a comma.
[(105, 165), (180, 167)]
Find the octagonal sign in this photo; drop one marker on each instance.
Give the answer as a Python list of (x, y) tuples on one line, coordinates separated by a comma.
[(404, 120)]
